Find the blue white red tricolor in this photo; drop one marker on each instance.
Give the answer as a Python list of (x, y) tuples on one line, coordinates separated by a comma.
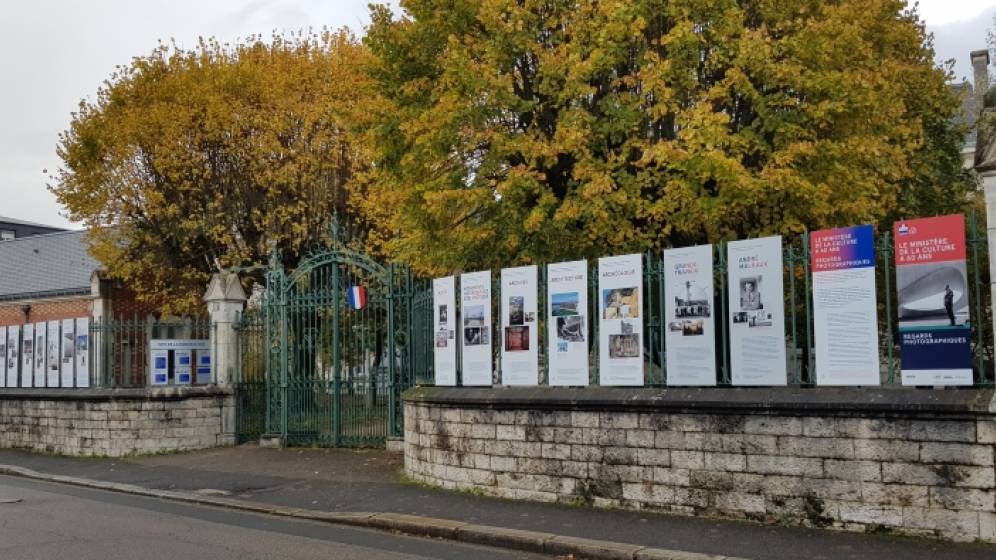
[(357, 297)]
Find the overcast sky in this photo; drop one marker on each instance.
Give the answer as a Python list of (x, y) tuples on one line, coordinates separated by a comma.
[(59, 51)]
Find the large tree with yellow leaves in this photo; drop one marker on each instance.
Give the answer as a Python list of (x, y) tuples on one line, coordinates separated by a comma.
[(517, 131), (193, 159)]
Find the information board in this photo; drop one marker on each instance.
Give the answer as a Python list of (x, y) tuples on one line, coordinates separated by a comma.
[(568, 323), (620, 306), (932, 287), (844, 306), (690, 334), (757, 312), (520, 338), (444, 321), (475, 311)]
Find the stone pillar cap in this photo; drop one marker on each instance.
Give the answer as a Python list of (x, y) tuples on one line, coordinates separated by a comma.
[(225, 286)]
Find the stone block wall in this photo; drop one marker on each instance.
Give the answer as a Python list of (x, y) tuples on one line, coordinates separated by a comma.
[(115, 422), (913, 462)]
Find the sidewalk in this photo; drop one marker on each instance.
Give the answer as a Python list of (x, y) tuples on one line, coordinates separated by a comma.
[(370, 481)]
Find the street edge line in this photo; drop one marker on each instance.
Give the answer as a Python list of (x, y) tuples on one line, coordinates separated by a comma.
[(415, 525)]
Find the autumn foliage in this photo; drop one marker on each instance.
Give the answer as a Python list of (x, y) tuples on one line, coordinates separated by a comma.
[(528, 130), (191, 160), (467, 134)]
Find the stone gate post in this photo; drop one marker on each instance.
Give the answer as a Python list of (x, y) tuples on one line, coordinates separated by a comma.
[(988, 179), (225, 299)]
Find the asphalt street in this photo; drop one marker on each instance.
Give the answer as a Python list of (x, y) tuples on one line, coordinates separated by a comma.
[(54, 521), (368, 480)]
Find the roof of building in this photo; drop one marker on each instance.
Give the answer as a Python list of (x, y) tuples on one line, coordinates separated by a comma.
[(969, 112), (18, 222), (45, 265)]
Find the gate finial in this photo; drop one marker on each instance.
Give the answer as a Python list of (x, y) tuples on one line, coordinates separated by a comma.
[(335, 230)]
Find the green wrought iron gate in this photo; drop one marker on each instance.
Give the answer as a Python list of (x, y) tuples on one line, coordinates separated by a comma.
[(334, 368)]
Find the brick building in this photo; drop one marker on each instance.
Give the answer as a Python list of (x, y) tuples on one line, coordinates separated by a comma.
[(49, 283)]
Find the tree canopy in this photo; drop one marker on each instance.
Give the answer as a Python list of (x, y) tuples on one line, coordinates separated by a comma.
[(516, 131), (193, 159)]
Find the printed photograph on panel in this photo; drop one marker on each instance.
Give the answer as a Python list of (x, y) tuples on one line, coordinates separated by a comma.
[(53, 353), (443, 315), (473, 316), (516, 310), (932, 294), (624, 346), (692, 300), (27, 348), (40, 350), (442, 339), (476, 336), (516, 339), (564, 304), (570, 328), (68, 348), (692, 327), (620, 303), (750, 293), (82, 345)]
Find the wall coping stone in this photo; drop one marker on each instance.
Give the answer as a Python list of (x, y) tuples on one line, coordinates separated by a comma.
[(116, 394), (902, 401)]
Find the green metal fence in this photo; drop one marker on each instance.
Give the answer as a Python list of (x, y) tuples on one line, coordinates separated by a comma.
[(249, 381), (119, 352), (798, 315), (335, 368)]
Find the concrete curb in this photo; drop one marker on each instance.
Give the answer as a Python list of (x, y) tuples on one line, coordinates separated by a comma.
[(530, 541)]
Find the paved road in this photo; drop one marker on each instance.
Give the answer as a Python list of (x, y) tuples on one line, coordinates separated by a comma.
[(57, 521), (345, 480)]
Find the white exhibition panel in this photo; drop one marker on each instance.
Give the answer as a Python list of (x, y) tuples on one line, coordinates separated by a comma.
[(475, 312), (757, 312), (13, 354), (83, 352), (3, 356), (444, 321), (52, 355), (27, 355), (845, 309), (620, 305), (567, 324), (689, 321), (40, 373), (520, 338), (68, 352)]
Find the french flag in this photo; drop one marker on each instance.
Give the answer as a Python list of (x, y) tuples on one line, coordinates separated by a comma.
[(357, 297)]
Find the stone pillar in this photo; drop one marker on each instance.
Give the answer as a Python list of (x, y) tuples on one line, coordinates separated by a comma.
[(225, 299), (988, 180), (100, 312)]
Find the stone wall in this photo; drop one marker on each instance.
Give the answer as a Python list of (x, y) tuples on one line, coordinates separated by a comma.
[(909, 461), (115, 422)]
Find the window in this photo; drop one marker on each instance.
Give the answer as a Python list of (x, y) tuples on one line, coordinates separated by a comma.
[(6, 234)]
